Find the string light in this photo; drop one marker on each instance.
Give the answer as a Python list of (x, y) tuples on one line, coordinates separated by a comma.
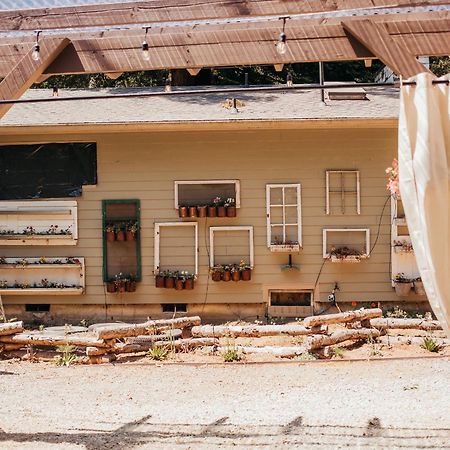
[(281, 45), (36, 55), (145, 47)]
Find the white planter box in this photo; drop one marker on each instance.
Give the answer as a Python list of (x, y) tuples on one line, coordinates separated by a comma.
[(347, 259), (284, 248)]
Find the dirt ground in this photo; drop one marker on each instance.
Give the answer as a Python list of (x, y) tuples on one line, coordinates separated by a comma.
[(375, 404)]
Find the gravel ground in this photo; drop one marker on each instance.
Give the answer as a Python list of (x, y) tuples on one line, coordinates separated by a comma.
[(326, 405)]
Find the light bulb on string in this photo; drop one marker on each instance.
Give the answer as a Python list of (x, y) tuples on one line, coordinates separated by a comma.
[(36, 53), (145, 47), (281, 45)]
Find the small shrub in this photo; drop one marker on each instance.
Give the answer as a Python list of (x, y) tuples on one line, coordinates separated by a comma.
[(67, 356), (231, 355), (337, 351), (430, 344), (397, 313), (307, 357), (158, 353)]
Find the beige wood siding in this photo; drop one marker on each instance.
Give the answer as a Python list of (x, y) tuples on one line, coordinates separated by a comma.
[(144, 165)]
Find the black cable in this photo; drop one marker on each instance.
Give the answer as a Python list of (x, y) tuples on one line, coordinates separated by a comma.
[(379, 225)]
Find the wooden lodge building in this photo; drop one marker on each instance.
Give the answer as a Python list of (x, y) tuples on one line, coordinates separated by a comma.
[(294, 190)]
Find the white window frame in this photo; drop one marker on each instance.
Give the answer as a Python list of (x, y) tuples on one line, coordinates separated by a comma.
[(236, 183), (356, 191), (158, 227), (346, 230), (213, 230), (283, 186), (63, 209)]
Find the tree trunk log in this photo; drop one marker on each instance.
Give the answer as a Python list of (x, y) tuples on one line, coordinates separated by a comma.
[(9, 347), (150, 327), (10, 328), (285, 352), (254, 330), (53, 340), (318, 341), (178, 345), (348, 316), (417, 324), (390, 340), (96, 351)]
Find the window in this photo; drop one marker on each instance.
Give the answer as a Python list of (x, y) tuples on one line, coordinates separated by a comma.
[(203, 192), (346, 244), (283, 211), (121, 239), (230, 245), (343, 192), (176, 247), (39, 307), (174, 307), (46, 170), (290, 300)]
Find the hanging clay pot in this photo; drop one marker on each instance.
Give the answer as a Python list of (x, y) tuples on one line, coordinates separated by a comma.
[(212, 212), (231, 211), (201, 210), (182, 211), (221, 211)]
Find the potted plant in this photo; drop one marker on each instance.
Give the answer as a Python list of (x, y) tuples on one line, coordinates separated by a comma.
[(403, 247), (192, 211), (120, 233), (418, 286), (245, 271), (111, 286), (345, 254), (230, 206), (120, 282), (226, 275), (179, 283), (159, 280), (183, 211), (110, 233), (169, 279), (235, 272), (220, 206), (212, 210), (131, 231), (131, 284), (216, 272), (202, 210), (402, 285), (189, 280)]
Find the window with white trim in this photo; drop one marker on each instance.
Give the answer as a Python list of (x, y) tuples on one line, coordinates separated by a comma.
[(283, 211), (343, 192)]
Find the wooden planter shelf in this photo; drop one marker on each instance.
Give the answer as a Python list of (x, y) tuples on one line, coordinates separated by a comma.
[(42, 291), (284, 248), (347, 259), (37, 239)]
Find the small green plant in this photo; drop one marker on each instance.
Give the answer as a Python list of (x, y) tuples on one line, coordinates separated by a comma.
[(430, 344), (41, 328), (374, 349), (307, 357), (338, 352), (397, 313), (67, 356), (158, 353), (230, 355)]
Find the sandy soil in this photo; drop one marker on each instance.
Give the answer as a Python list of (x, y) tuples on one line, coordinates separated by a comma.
[(378, 404)]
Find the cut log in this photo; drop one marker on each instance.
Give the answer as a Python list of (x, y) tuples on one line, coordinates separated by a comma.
[(348, 316), (11, 328), (403, 324), (167, 336), (284, 352), (149, 327), (318, 341), (415, 340), (254, 330), (96, 351), (178, 345), (53, 340), (9, 347)]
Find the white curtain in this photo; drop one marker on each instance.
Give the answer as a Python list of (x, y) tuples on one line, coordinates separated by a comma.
[(424, 174)]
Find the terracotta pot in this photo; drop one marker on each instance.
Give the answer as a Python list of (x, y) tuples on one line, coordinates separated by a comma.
[(212, 211), (110, 287), (130, 235), (402, 289), (246, 275), (189, 284), (179, 284), (169, 282), (216, 276), (131, 286), (182, 211), (221, 211), (159, 281), (231, 211), (121, 286), (120, 235), (226, 276), (110, 236), (236, 276), (201, 210), (192, 211)]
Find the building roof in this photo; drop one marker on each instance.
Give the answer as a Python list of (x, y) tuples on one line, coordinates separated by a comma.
[(381, 103)]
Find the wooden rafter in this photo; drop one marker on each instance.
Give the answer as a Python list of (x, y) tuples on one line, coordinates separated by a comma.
[(174, 10), (394, 54), (28, 71)]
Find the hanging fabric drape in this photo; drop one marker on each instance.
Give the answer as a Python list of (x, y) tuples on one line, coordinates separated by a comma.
[(424, 174)]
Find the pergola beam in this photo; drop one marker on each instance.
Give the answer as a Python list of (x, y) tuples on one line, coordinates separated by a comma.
[(28, 71), (146, 12)]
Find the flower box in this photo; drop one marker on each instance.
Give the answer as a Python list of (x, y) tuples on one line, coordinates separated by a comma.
[(284, 248)]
